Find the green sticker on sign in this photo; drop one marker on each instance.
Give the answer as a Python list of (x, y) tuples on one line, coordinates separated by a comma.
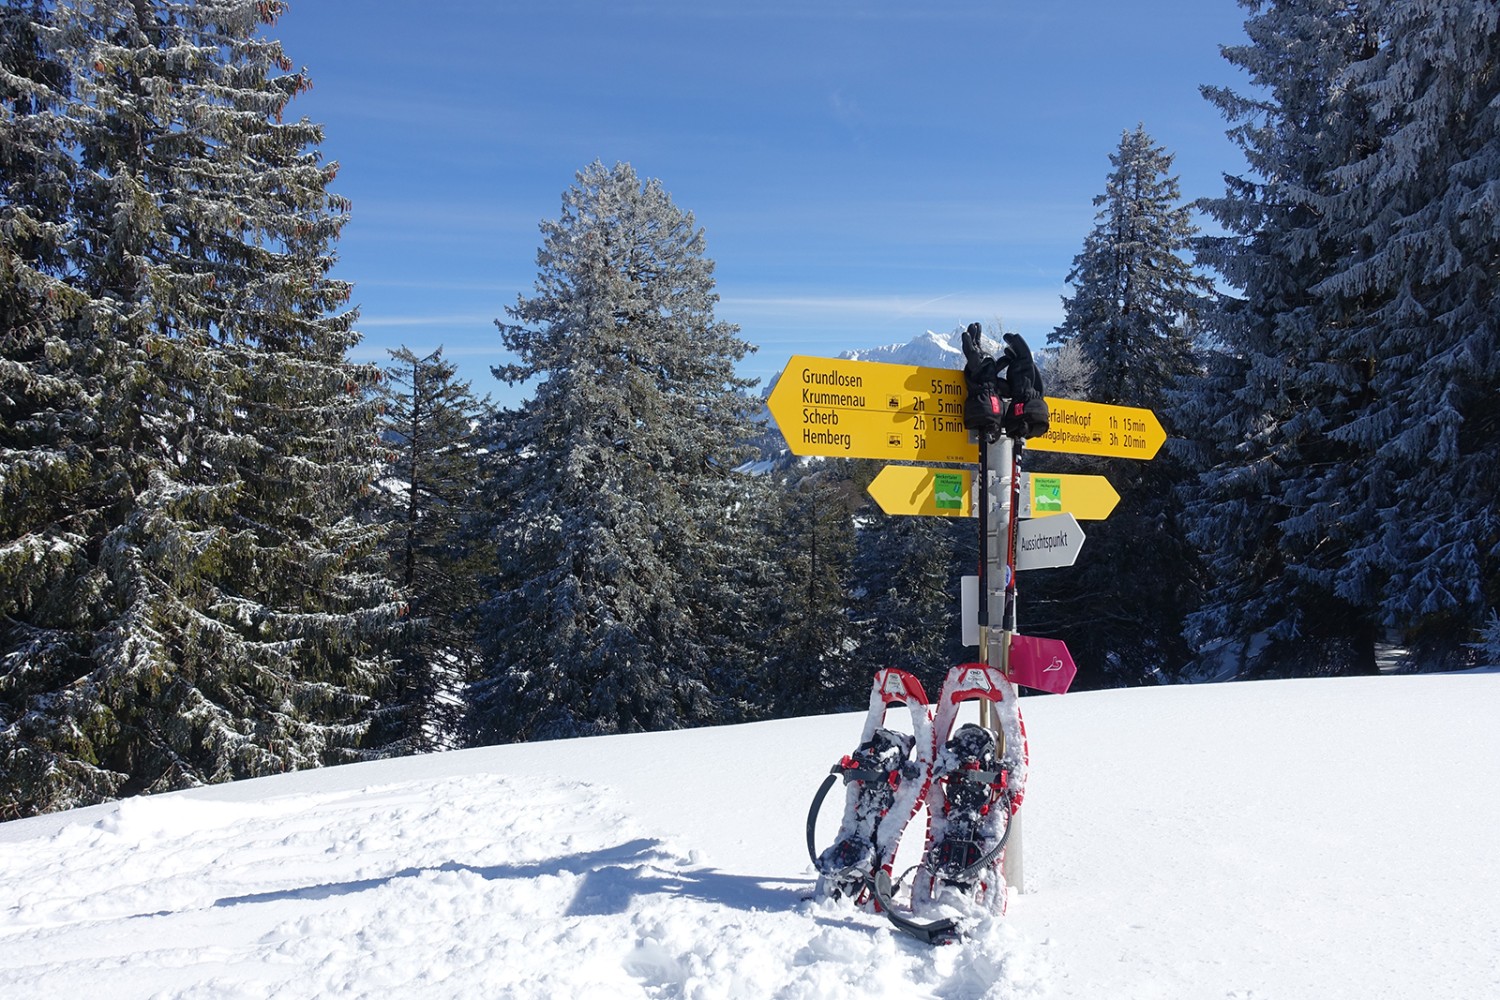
[(948, 490), (1046, 494)]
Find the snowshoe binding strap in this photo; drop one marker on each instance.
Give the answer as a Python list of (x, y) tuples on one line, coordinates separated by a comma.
[(966, 875), (941, 931), (881, 763), (812, 814)]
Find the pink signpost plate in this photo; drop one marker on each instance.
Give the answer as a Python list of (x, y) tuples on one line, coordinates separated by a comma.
[(1043, 664)]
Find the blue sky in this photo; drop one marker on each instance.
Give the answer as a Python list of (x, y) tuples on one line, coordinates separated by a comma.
[(863, 171)]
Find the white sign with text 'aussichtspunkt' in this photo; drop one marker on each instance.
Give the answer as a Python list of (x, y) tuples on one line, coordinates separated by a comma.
[(1048, 542)]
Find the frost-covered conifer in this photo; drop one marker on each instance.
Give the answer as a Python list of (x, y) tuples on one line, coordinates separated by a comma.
[(428, 499), (606, 616), (1416, 336), (1263, 412), (1132, 322), (196, 601), (809, 662), (1135, 302), (42, 408)]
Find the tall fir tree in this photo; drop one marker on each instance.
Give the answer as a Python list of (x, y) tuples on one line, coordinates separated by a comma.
[(1262, 413), (810, 664), (1415, 296), (740, 589), (47, 430), (622, 475), (1136, 300), (36, 173), (199, 604), (428, 497), (1132, 321)]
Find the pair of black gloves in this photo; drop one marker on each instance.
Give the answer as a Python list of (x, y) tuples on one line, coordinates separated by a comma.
[(1005, 394)]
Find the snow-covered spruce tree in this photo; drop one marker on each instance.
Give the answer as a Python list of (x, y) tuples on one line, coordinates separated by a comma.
[(1416, 342), (35, 178), (1132, 318), (1136, 301), (37, 468), (47, 430), (809, 663), (745, 580), (1262, 415), (621, 475), (427, 497), (200, 604)]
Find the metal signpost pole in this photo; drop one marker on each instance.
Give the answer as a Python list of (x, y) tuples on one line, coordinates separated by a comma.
[(986, 519), (998, 603)]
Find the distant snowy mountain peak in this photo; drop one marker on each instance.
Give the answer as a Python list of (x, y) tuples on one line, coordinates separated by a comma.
[(929, 350), (939, 350)]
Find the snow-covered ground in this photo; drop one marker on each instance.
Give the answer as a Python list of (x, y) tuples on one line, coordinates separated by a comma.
[(1284, 840)]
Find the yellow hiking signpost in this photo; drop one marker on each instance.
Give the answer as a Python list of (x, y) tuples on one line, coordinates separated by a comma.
[(1088, 498), (910, 489), (1104, 429), (869, 409)]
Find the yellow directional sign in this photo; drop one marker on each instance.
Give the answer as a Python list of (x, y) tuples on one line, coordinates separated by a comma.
[(908, 489), (1088, 498), (869, 409), (1100, 429)]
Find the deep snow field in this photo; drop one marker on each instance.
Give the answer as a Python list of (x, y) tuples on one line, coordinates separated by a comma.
[(1278, 840)]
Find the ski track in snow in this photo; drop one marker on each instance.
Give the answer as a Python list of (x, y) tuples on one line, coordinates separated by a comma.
[(1288, 840)]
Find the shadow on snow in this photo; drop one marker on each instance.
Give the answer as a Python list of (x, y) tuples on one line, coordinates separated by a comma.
[(609, 880)]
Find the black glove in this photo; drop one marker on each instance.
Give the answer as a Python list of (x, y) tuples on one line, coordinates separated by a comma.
[(984, 406), (1026, 416), (974, 354), (1025, 380)]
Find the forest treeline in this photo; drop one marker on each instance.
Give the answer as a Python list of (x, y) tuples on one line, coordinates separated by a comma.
[(227, 550)]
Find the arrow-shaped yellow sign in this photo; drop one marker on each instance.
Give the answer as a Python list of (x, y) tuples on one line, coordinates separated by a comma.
[(910, 489), (869, 409), (1083, 428), (1088, 498)]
